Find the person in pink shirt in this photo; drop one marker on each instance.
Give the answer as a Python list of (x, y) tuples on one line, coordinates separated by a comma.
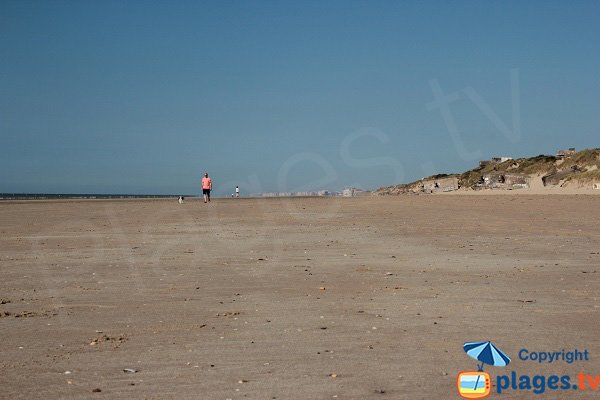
[(206, 187)]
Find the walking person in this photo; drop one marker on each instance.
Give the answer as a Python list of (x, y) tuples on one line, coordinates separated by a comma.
[(206, 187), (237, 191)]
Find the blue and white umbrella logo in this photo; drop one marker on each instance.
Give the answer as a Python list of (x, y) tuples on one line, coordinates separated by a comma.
[(486, 353)]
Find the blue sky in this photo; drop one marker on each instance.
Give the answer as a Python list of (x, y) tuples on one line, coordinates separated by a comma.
[(144, 96)]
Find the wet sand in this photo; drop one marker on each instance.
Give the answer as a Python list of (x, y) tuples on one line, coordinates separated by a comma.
[(314, 298)]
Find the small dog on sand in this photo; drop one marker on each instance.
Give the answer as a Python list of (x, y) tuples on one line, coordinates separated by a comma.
[(180, 199)]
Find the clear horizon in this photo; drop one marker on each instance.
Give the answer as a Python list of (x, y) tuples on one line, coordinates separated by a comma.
[(143, 97)]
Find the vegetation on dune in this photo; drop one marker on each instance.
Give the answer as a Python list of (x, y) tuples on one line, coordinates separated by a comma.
[(586, 158), (470, 178), (586, 176), (536, 165)]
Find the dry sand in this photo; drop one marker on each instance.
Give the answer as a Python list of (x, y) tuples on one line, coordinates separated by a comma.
[(266, 298)]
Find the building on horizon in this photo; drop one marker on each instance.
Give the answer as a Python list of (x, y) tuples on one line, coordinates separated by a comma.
[(352, 192), (494, 160), (565, 153)]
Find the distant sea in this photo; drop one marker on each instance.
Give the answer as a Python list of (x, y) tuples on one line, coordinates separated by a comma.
[(52, 196)]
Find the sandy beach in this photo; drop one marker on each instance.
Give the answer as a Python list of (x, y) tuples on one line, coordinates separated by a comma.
[(306, 298)]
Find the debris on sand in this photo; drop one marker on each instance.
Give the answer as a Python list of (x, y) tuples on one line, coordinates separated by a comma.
[(115, 340), (229, 314), (27, 314)]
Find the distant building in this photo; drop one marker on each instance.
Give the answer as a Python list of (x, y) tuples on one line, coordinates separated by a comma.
[(319, 193), (348, 192), (494, 160), (565, 153), (351, 192), (501, 159)]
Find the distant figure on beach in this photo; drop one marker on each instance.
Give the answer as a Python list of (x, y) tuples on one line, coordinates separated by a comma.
[(237, 191), (206, 187), (180, 200)]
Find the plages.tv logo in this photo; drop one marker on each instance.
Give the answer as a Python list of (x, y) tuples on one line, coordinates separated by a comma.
[(478, 384)]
